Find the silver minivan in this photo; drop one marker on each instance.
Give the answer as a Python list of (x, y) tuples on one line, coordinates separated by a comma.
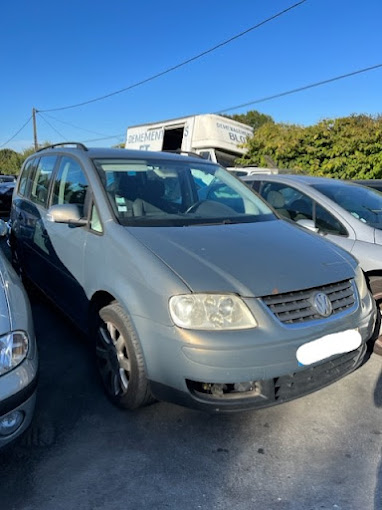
[(191, 288)]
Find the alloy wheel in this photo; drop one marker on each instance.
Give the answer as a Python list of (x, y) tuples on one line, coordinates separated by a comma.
[(113, 359)]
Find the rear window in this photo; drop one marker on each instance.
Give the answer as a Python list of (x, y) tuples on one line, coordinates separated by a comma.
[(41, 180), (25, 177)]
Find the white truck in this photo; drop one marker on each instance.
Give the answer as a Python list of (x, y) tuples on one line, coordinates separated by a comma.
[(214, 137)]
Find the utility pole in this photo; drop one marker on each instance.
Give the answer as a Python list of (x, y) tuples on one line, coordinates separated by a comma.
[(34, 111)]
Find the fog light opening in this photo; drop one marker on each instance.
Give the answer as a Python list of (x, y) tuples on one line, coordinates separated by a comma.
[(11, 422), (225, 391)]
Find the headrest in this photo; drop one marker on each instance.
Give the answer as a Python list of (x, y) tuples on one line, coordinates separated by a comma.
[(276, 199)]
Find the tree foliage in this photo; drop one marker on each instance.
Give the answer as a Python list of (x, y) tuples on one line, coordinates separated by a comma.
[(11, 161), (253, 118), (347, 147)]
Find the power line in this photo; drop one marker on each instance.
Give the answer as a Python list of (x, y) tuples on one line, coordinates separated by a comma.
[(52, 127), (17, 132), (88, 130), (300, 89), (104, 138), (74, 126), (177, 66)]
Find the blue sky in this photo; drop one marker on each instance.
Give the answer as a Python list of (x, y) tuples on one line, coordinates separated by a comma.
[(55, 54)]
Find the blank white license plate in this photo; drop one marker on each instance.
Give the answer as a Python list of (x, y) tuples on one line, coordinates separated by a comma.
[(328, 345)]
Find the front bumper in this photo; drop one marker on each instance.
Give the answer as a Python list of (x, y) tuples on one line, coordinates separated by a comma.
[(182, 364), (267, 392), (18, 393)]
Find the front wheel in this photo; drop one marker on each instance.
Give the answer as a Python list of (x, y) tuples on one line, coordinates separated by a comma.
[(120, 359)]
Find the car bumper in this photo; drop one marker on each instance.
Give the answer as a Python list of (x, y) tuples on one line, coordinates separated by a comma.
[(18, 395), (259, 366)]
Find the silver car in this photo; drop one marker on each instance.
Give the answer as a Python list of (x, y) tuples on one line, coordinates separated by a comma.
[(348, 214), (191, 288), (18, 354)]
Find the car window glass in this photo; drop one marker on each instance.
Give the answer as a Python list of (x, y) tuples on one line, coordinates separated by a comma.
[(95, 222), (70, 185), (365, 204), (327, 223), (292, 203), (41, 180), (168, 189), (255, 185), (25, 177), (177, 193), (205, 155), (287, 201), (210, 187)]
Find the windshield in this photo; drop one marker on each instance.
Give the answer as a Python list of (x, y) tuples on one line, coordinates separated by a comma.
[(363, 203), (149, 192)]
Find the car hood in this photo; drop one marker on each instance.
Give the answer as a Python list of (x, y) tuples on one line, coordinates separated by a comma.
[(250, 259)]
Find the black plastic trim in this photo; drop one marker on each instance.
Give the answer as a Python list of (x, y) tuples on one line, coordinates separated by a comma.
[(269, 389), (11, 403)]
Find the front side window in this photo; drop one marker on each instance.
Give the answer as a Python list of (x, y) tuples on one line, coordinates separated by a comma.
[(287, 201), (295, 205), (41, 180), (71, 184), (177, 193)]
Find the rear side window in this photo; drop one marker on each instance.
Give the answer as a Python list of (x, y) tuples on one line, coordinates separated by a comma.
[(41, 180), (70, 185), (25, 177)]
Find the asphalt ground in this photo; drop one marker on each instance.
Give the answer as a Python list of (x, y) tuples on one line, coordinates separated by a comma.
[(323, 451)]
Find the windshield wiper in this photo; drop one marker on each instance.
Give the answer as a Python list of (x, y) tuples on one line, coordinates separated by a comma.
[(226, 221)]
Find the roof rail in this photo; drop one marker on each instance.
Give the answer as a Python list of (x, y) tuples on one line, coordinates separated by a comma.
[(187, 153), (78, 145)]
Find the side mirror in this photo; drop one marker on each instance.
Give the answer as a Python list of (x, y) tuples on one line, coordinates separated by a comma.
[(66, 213), (308, 224), (3, 228)]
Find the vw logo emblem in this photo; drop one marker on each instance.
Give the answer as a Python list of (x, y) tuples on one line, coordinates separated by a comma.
[(322, 304)]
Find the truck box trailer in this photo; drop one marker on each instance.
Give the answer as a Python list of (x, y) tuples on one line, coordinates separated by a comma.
[(214, 137)]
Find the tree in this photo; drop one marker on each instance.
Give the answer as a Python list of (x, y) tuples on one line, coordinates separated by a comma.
[(253, 118), (347, 147), (10, 161)]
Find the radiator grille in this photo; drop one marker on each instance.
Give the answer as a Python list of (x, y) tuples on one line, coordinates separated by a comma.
[(297, 307)]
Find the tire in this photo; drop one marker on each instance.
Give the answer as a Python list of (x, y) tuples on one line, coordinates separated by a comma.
[(120, 360)]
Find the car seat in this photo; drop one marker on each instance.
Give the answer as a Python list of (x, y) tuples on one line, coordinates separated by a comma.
[(277, 201)]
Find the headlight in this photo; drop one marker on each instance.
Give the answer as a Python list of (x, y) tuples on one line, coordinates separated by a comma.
[(13, 350), (361, 282), (211, 312)]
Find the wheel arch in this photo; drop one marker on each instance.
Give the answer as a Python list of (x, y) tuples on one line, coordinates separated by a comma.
[(374, 279), (99, 299)]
